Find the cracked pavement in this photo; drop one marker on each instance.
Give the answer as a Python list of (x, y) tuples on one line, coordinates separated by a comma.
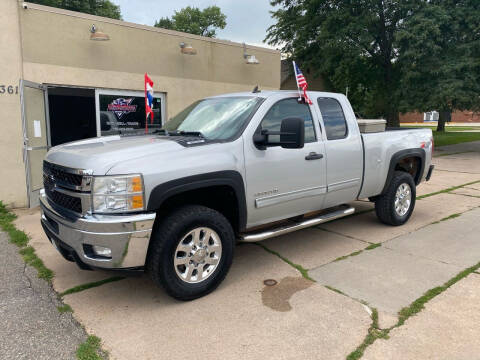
[(30, 325), (392, 276)]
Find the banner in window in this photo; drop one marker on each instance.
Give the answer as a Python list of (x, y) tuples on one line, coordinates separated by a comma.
[(125, 115)]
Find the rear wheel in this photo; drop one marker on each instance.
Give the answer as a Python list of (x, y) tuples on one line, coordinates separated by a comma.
[(191, 252), (396, 206)]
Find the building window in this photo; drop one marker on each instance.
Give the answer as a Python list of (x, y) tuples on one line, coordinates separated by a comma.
[(123, 113)]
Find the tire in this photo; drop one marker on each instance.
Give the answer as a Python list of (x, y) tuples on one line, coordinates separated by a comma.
[(385, 205), (176, 252)]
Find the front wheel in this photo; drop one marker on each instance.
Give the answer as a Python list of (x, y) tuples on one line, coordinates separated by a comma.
[(191, 252), (396, 205)]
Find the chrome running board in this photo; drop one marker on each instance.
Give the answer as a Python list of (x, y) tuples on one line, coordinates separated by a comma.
[(285, 229)]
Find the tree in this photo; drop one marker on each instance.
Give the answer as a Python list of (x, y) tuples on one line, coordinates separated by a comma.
[(95, 7), (165, 23), (440, 58), (195, 21), (351, 43)]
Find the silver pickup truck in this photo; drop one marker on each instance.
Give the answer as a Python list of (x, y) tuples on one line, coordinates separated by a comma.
[(236, 167)]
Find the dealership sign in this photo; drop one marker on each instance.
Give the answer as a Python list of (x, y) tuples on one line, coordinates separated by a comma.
[(121, 107), (125, 114)]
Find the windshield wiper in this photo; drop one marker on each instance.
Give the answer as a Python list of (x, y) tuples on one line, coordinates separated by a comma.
[(186, 133), (161, 131)]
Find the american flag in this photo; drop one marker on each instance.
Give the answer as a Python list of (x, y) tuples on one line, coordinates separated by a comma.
[(301, 82)]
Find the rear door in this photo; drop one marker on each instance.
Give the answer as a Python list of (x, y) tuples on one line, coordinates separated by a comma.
[(34, 102), (343, 147), (280, 182)]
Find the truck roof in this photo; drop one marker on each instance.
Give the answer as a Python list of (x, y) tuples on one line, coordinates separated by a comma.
[(268, 93)]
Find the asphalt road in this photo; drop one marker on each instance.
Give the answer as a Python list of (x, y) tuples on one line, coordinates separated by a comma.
[(31, 327)]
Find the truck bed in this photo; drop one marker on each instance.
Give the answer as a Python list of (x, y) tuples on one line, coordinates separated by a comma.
[(378, 149)]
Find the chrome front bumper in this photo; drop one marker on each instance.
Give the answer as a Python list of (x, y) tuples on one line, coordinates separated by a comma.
[(127, 236)]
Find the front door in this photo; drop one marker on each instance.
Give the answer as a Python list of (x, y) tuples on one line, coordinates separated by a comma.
[(35, 137), (283, 183)]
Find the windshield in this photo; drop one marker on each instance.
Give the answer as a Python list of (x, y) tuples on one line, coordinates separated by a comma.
[(216, 118)]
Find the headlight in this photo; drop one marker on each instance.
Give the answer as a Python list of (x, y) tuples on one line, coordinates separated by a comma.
[(116, 194)]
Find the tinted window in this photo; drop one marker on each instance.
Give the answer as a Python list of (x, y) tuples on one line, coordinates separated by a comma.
[(333, 118), (288, 108)]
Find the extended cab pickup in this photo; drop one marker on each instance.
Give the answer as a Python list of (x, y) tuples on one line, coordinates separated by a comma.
[(236, 167)]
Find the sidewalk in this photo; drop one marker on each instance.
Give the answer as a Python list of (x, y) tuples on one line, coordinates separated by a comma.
[(448, 328)]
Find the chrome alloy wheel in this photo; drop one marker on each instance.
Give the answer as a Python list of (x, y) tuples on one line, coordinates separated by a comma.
[(403, 199), (197, 255)]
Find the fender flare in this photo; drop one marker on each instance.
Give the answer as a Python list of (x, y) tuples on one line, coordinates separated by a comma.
[(403, 154), (231, 178)]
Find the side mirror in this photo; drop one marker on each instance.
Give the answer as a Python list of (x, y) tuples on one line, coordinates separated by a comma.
[(292, 135)]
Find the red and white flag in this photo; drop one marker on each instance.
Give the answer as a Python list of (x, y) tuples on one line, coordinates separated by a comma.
[(301, 83), (148, 101)]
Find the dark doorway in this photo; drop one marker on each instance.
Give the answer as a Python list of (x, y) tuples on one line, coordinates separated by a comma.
[(72, 114)]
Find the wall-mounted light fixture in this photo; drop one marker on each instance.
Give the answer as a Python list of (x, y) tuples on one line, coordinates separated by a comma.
[(187, 49), (98, 35), (251, 59)]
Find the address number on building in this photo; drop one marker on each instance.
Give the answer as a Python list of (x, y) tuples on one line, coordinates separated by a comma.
[(8, 89)]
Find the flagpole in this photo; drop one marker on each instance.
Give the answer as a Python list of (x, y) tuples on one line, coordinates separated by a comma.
[(296, 79)]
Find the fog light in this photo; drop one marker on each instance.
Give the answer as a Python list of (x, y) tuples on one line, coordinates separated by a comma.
[(102, 251)]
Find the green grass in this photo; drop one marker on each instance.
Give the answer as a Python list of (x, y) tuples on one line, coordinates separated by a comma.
[(90, 285), (419, 304), (452, 137), (358, 252), (29, 256), (460, 128), (446, 190), (300, 268), (17, 237), (64, 308), (447, 128), (90, 349), (452, 134), (373, 246), (355, 253), (374, 333), (21, 239), (336, 290), (453, 216)]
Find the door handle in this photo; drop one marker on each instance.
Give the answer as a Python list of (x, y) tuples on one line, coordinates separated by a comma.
[(313, 156)]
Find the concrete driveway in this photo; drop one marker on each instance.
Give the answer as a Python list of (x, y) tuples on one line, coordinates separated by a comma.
[(327, 318)]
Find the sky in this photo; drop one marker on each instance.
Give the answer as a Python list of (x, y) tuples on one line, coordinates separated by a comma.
[(247, 20)]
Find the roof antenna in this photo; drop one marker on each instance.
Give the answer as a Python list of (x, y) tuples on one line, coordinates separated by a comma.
[(255, 89)]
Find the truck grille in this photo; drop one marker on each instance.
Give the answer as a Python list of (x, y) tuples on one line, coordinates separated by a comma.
[(60, 175), (66, 187), (64, 200)]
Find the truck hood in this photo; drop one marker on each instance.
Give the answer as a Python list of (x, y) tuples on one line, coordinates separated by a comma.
[(101, 154)]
